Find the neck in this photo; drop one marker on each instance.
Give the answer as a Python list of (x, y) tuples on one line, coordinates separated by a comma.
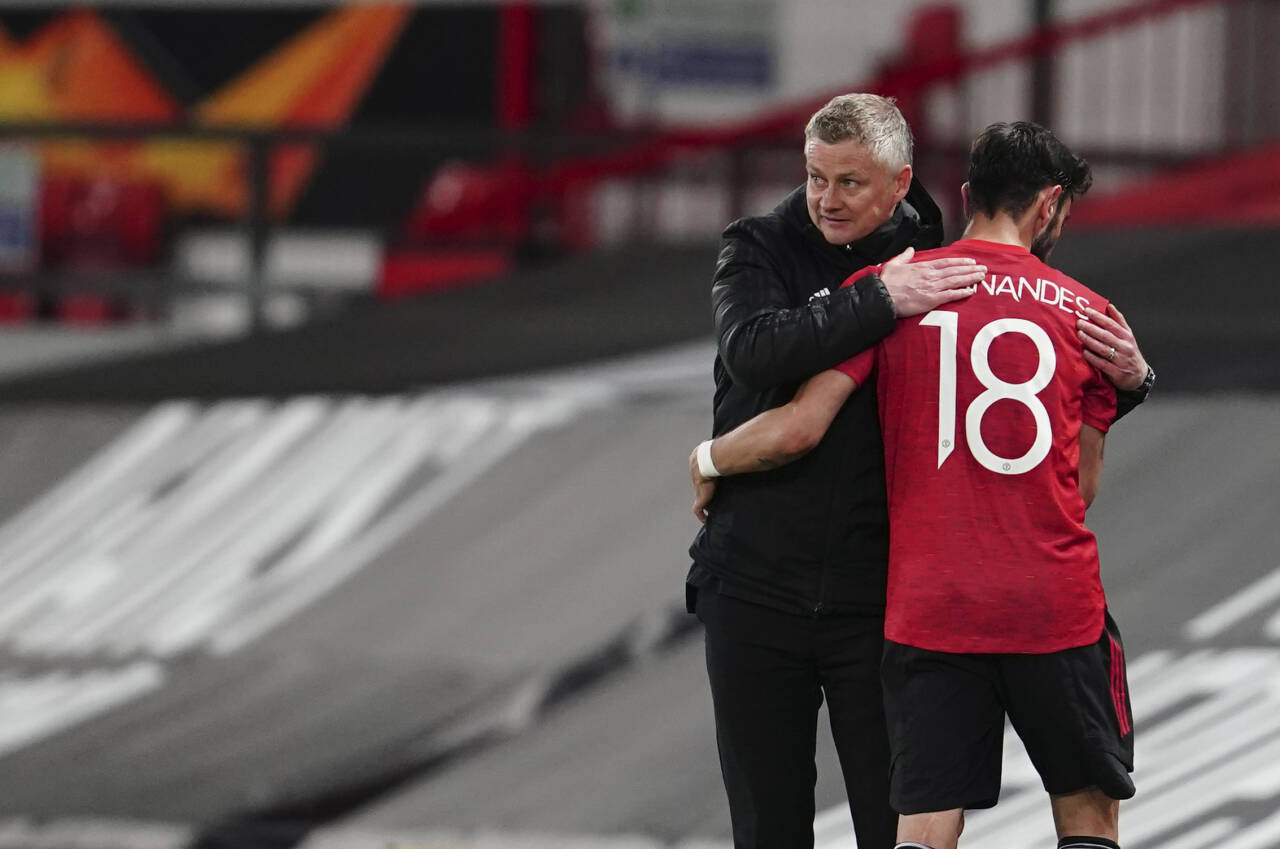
[(1002, 230)]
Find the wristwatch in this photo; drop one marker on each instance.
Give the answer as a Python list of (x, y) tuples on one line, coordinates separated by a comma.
[(1128, 399)]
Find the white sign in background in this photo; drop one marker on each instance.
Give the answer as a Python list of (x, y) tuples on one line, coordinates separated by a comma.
[(19, 204)]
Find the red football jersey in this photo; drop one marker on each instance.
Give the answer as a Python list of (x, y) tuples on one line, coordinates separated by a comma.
[(981, 403)]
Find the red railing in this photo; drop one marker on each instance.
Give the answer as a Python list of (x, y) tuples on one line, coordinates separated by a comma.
[(948, 71), (538, 190)]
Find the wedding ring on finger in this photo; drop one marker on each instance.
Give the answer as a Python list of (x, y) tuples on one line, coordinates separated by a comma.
[(1111, 355)]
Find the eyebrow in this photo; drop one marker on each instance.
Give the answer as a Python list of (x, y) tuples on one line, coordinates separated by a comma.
[(838, 175)]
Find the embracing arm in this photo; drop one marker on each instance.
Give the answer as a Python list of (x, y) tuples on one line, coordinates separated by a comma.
[(765, 342), (1091, 442), (771, 439), (1111, 347)]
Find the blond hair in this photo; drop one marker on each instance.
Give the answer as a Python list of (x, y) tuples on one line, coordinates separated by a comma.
[(868, 119)]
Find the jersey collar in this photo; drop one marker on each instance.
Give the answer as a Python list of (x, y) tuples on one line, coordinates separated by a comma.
[(997, 247)]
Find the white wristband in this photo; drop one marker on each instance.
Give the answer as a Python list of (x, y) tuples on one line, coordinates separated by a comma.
[(705, 466)]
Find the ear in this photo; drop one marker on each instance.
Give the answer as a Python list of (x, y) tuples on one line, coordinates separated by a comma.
[(1048, 205), (901, 183), (964, 200)]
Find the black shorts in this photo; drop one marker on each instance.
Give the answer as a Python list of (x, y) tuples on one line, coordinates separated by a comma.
[(946, 722)]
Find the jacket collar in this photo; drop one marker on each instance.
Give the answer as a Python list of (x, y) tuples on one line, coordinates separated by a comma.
[(916, 221)]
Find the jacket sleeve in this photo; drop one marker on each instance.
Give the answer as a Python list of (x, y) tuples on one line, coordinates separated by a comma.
[(764, 341), (1127, 400)]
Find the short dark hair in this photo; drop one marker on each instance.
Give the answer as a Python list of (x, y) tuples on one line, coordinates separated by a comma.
[(1010, 163)]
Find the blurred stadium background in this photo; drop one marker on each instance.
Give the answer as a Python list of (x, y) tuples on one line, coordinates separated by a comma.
[(350, 356)]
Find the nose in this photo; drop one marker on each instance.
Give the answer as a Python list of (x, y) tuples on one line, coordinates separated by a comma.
[(829, 197)]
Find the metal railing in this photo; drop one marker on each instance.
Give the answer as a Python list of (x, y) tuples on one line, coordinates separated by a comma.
[(1102, 82)]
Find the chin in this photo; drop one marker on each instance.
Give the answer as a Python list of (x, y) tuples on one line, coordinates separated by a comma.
[(1041, 250), (836, 237)]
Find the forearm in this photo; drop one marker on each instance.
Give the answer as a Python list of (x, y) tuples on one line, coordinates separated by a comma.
[(1088, 493), (1092, 442), (754, 446), (771, 439), (786, 433)]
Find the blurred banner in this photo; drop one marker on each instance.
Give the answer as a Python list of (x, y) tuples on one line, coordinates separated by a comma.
[(19, 188), (706, 50)]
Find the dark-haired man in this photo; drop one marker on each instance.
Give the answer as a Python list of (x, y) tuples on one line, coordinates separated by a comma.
[(993, 420)]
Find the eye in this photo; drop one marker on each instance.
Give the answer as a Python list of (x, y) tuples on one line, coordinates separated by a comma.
[(848, 182), (814, 178)]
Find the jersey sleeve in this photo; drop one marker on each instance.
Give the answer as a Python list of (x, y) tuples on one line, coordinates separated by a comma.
[(1099, 407), (860, 366), (861, 273)]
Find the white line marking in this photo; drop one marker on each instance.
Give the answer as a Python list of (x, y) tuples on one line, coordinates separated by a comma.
[(1222, 616), (34, 708), (479, 453), (1216, 744), (1261, 835), (98, 833), (1200, 837)]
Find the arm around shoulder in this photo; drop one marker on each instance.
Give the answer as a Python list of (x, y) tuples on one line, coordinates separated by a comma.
[(766, 341), (786, 433)]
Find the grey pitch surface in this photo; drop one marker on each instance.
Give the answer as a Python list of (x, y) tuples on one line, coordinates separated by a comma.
[(570, 545), (515, 660), (1185, 518), (40, 444)]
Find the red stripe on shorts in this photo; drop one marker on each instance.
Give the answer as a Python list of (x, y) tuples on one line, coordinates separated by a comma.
[(1118, 687)]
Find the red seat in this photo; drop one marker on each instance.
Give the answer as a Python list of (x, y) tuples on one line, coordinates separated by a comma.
[(88, 223), (477, 203)]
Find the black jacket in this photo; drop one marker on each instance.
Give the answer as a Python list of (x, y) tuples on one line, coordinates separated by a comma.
[(811, 536)]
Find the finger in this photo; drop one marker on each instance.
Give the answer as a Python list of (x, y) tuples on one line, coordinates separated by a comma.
[(1097, 334), (966, 270), (1114, 369), (1115, 363), (952, 277), (1103, 321), (700, 506), (903, 257), (1122, 332), (948, 262), (961, 276), (1112, 308), (946, 296), (1103, 339), (1102, 364), (1097, 346)]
